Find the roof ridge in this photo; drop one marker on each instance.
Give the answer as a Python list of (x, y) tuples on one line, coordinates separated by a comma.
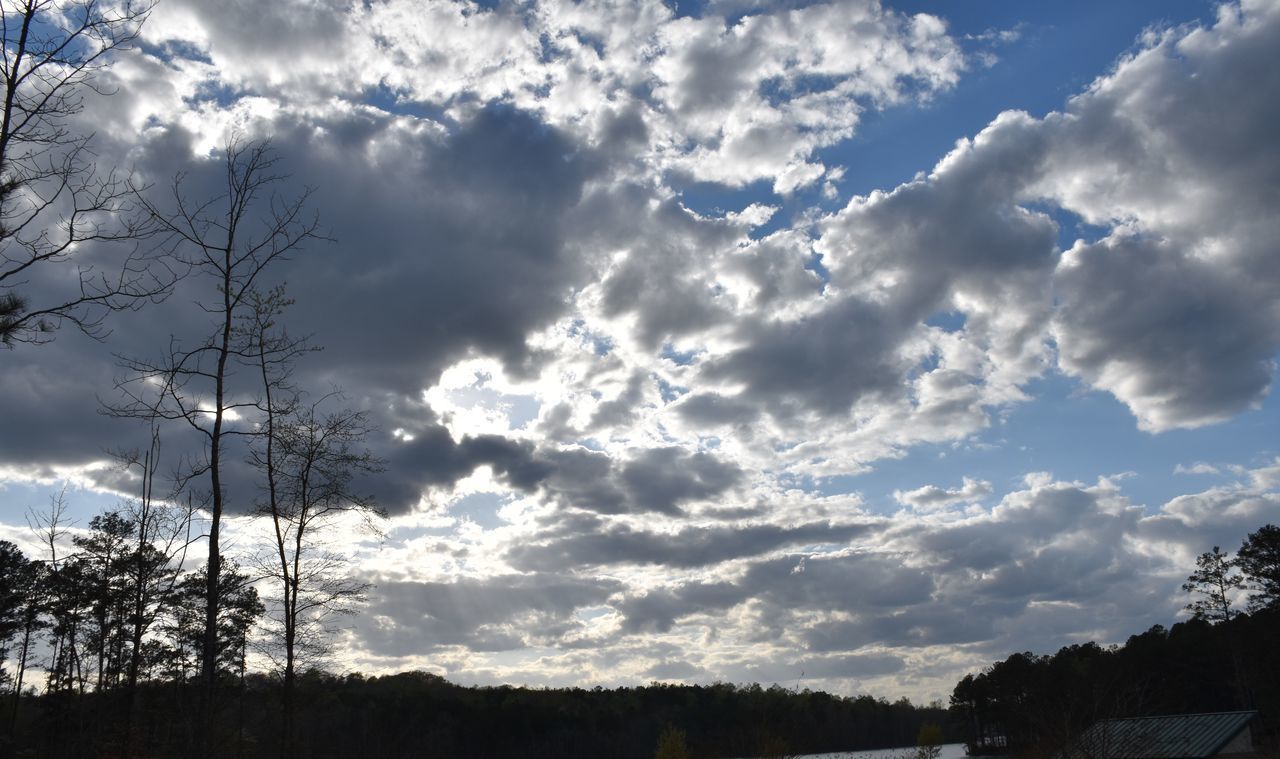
[(1178, 716)]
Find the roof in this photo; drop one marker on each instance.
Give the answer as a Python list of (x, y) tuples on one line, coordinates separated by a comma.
[(1178, 736)]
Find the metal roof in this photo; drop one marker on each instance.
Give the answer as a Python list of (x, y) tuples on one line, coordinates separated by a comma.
[(1179, 736)]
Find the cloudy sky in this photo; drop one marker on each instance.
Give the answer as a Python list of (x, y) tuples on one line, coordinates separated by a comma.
[(846, 346)]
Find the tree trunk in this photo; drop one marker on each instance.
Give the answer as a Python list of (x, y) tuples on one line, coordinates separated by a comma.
[(209, 657), (17, 687)]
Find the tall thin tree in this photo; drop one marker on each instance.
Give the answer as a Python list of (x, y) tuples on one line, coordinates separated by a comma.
[(310, 460), (230, 242)]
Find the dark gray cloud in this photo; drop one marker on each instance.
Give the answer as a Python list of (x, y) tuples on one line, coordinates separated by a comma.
[(658, 610), (850, 665), (957, 237), (660, 480), (621, 410), (712, 409), (48, 400), (848, 582), (1177, 315), (433, 459), (662, 280), (992, 581), (674, 670), (825, 363), (603, 545), (496, 613), (459, 250), (778, 268), (927, 625), (1025, 522), (1219, 516), (445, 243)]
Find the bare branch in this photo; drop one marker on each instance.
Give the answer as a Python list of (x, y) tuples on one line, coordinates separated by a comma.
[(55, 204)]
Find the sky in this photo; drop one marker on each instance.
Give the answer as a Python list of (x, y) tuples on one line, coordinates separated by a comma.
[(849, 346)]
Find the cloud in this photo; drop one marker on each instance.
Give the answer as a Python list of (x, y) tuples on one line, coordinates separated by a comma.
[(731, 96), (822, 364), (601, 545), (1198, 467), (661, 480), (1049, 564), (842, 581), (1174, 313), (931, 497), (492, 614)]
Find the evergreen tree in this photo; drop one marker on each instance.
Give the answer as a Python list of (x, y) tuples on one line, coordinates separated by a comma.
[(1259, 561), (102, 559), (240, 609), (1215, 579), (13, 567)]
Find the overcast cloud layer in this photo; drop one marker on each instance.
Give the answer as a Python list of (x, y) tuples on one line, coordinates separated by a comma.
[(618, 430)]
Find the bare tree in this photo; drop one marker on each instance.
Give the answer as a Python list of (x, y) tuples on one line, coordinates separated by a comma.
[(310, 460), (229, 242), (54, 202)]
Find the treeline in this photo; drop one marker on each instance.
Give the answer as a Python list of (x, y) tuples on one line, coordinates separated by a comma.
[(102, 620), (421, 715), (1222, 659)]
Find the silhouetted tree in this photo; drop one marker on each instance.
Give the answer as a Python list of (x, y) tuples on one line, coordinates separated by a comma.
[(1215, 579), (229, 242), (1259, 561), (13, 569), (161, 536), (31, 582), (15, 598), (308, 459), (52, 199), (100, 558), (314, 457), (1220, 659), (184, 628)]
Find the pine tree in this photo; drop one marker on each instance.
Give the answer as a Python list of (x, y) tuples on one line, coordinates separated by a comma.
[(1259, 561), (1215, 580)]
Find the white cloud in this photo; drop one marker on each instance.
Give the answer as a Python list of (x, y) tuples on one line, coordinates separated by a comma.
[(1051, 563), (932, 498), (1199, 467)]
